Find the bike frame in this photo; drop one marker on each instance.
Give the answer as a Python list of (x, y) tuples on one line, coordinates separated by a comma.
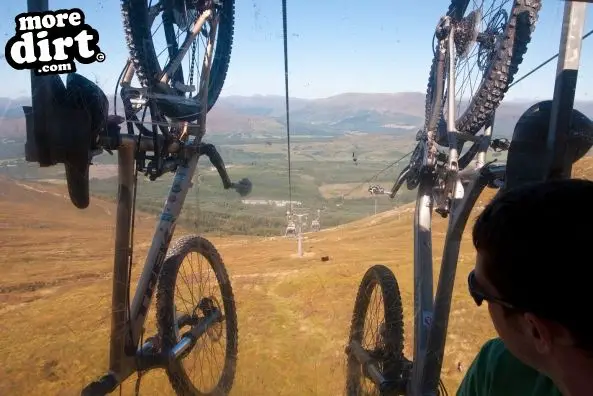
[(431, 312), (127, 320), (125, 356)]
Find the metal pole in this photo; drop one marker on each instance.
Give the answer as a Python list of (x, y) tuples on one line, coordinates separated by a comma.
[(423, 280), (119, 298), (285, 30), (41, 98), (375, 204), (300, 243), (300, 235), (564, 89), (481, 160), (437, 334)]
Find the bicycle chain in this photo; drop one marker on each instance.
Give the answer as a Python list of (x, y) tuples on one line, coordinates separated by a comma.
[(193, 63)]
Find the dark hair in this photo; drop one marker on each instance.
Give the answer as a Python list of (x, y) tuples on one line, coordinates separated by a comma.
[(536, 241)]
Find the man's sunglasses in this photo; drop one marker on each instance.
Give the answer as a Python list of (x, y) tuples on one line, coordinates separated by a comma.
[(479, 296)]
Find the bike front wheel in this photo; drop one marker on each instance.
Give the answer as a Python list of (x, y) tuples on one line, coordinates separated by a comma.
[(179, 309), (381, 338)]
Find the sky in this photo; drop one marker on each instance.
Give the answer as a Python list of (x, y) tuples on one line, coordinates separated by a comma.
[(334, 46)]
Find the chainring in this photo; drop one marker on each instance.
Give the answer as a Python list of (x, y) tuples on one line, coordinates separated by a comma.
[(423, 158)]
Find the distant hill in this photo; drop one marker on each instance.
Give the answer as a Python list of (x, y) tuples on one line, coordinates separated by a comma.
[(263, 116)]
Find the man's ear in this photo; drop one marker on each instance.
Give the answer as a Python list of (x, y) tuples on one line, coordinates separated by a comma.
[(540, 333), (545, 334)]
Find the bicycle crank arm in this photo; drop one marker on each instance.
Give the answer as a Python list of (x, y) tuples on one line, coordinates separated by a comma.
[(243, 187), (367, 363), (189, 339), (147, 358), (215, 159), (400, 181)]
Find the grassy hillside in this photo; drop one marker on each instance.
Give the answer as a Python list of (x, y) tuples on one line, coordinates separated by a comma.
[(293, 313)]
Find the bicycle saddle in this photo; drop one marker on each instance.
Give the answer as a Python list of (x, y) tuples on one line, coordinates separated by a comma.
[(528, 147), (66, 128)]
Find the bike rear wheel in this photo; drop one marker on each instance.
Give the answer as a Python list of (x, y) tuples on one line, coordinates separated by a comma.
[(386, 346), (175, 313), (498, 40), (178, 16)]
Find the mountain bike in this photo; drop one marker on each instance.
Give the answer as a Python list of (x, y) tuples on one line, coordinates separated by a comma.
[(71, 124), (450, 179)]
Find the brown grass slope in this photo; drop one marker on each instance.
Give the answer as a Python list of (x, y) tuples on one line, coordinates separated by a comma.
[(294, 314)]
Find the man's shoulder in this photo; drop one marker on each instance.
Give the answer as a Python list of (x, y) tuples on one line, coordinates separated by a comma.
[(494, 349), (496, 356), (496, 371)]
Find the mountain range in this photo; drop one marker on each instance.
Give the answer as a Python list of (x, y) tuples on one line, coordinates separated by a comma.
[(264, 116)]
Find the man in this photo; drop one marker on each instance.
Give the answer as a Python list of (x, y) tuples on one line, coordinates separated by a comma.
[(534, 269)]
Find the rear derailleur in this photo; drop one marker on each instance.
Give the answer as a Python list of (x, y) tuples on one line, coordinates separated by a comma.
[(422, 161), (426, 159), (445, 182)]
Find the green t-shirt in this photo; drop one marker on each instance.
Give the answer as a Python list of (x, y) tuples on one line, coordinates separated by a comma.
[(496, 372)]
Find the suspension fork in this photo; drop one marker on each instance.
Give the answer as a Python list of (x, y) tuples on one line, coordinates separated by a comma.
[(443, 33), (451, 116)]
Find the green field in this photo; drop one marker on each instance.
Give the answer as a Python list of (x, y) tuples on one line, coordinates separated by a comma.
[(212, 209), (323, 177), (322, 171)]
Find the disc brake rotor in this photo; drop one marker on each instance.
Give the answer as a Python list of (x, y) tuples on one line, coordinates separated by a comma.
[(214, 331)]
